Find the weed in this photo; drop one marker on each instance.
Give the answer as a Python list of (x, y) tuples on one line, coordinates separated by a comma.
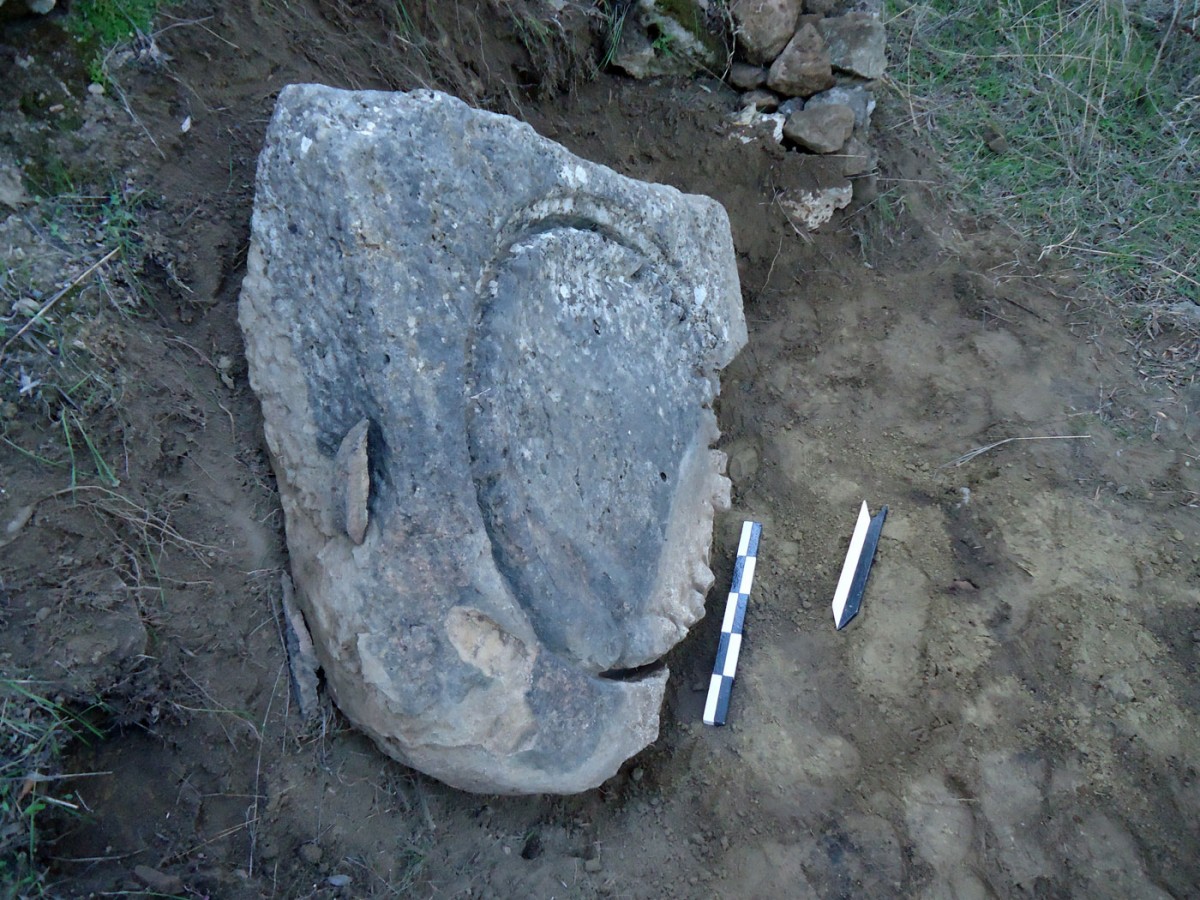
[(663, 44), (33, 732), (616, 12), (54, 328), (534, 34), (100, 25), (1074, 123), (406, 28)]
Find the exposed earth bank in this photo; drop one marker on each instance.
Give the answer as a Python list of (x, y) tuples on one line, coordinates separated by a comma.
[(1013, 713)]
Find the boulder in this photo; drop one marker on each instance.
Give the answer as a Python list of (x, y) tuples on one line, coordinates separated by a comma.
[(803, 68), (855, 96), (820, 129), (530, 344), (764, 27), (857, 43)]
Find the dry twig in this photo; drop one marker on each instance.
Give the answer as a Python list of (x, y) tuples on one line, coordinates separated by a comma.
[(979, 451)]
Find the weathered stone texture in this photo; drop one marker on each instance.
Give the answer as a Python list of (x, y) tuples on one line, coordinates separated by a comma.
[(803, 68), (764, 27), (532, 342), (821, 129), (857, 43)]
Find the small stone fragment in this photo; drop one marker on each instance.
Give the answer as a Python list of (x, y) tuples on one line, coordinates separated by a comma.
[(803, 68), (12, 187), (746, 77), (857, 43), (743, 464), (592, 865), (352, 482), (302, 658), (764, 27), (1118, 687), (820, 129), (812, 209), (857, 157), (793, 105), (20, 518), (995, 139), (157, 881), (763, 101), (311, 853)]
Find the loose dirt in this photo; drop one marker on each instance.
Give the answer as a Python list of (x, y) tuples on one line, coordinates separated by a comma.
[(1013, 713)]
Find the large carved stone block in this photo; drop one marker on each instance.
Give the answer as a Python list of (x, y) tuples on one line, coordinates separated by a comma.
[(487, 370)]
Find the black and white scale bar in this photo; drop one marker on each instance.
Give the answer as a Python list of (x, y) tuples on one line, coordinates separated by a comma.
[(848, 597), (716, 707)]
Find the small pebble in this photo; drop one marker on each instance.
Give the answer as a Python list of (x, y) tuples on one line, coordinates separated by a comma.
[(159, 882), (592, 865), (96, 89), (42, 614), (339, 880), (637, 774), (310, 853)]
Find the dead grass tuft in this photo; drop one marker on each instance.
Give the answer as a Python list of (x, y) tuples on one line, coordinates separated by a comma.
[(1079, 123)]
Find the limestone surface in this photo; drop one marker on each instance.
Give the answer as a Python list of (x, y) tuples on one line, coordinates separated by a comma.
[(659, 38), (764, 27), (487, 370), (821, 128), (855, 96), (857, 43), (804, 67)]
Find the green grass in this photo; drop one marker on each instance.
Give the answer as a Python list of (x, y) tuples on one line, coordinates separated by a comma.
[(33, 733), (100, 25), (615, 13), (78, 274), (1101, 120)]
